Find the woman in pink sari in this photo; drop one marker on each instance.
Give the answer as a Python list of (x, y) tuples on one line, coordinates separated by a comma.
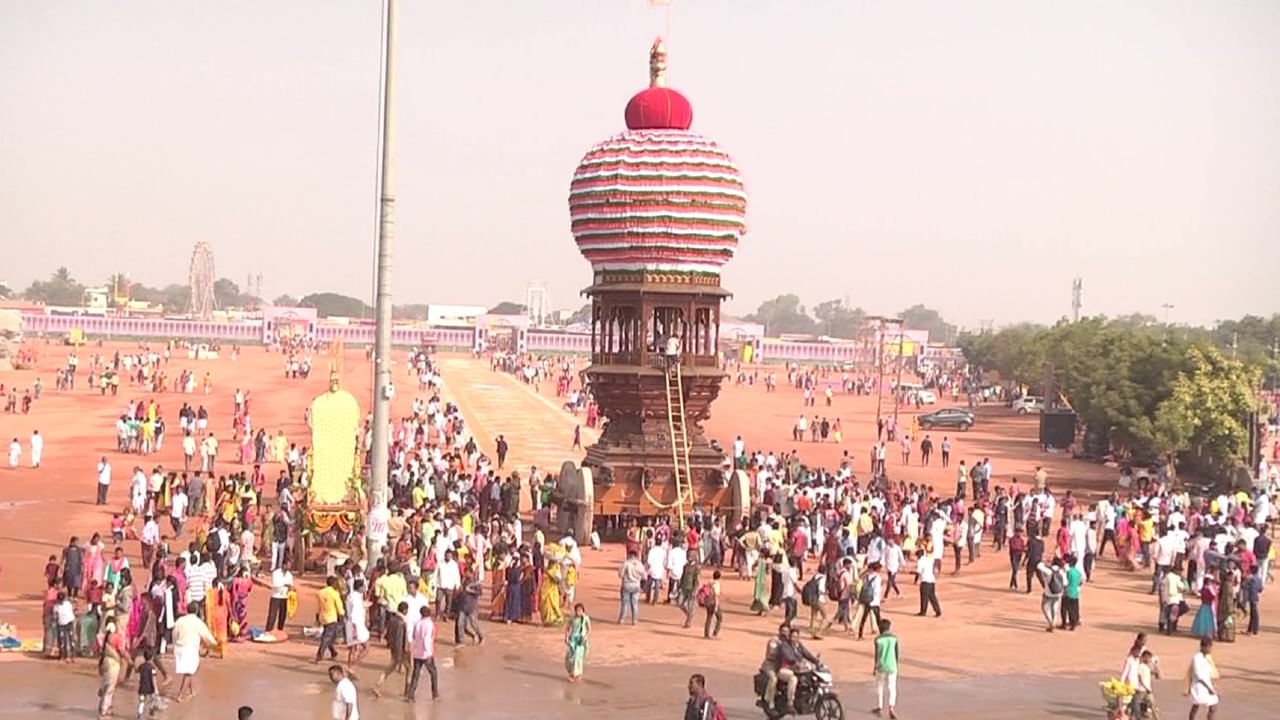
[(95, 565), (241, 586), (246, 449)]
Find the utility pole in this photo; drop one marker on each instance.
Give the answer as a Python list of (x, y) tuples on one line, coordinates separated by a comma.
[(1275, 363), (897, 384), (383, 386), (1077, 293)]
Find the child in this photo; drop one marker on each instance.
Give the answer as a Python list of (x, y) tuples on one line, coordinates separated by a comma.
[(1143, 698), (148, 695), (51, 570), (130, 532), (117, 529), (93, 595), (64, 613)]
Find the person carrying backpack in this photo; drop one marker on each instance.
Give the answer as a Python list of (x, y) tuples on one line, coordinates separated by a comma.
[(709, 598), (814, 597), (1054, 579), (701, 706)]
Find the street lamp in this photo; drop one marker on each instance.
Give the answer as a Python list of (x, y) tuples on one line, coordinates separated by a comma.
[(880, 322)]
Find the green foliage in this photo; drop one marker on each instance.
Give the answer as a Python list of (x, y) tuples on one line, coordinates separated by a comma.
[(5, 292), (835, 319), (285, 301), (1154, 391), (506, 307), (409, 312), (581, 315), (784, 315), (227, 295), (335, 305), (919, 317), (59, 289)]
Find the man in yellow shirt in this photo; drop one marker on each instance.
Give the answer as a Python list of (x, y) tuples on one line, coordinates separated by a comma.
[(329, 615)]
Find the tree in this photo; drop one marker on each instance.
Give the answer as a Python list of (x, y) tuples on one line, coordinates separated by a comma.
[(286, 301), (919, 317), (1217, 394), (5, 292), (413, 311), (837, 320), (226, 293), (175, 298), (506, 307), (581, 315), (783, 315), (335, 305), (59, 289)]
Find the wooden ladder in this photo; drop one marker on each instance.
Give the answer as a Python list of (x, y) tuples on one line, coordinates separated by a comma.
[(679, 438)]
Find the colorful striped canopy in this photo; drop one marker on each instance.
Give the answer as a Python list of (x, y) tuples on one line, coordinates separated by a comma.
[(658, 200)]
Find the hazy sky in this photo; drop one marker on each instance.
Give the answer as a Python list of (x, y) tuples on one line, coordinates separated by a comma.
[(972, 156)]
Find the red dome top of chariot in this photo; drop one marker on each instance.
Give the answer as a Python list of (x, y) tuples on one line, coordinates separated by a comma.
[(658, 107), (658, 198)]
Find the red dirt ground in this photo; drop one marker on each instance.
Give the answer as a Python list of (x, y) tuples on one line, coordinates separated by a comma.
[(987, 658)]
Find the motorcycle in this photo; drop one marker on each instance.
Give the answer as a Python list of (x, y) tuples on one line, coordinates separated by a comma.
[(814, 695)]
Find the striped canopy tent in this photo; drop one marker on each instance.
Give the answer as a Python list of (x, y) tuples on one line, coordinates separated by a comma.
[(658, 198)]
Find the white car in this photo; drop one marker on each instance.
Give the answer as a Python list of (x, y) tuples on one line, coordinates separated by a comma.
[(1028, 404), (927, 397)]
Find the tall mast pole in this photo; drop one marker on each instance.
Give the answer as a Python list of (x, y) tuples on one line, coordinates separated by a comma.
[(382, 381)]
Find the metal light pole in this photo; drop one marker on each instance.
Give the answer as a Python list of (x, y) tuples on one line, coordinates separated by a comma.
[(375, 525), (897, 386)]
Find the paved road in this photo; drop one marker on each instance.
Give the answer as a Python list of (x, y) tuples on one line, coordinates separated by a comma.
[(539, 432)]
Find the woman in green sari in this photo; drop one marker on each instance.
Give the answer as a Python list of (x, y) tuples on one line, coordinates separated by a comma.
[(760, 592), (576, 640)]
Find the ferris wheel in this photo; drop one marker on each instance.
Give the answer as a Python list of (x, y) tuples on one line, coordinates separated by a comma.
[(201, 278)]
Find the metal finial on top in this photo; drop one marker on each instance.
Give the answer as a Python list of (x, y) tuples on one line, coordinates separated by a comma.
[(658, 64)]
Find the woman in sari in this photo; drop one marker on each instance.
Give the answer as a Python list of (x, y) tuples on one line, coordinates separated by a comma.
[(577, 637), (777, 568), (217, 613), (241, 586), (512, 595), (498, 587), (116, 567), (549, 596), (95, 565), (1226, 606), (50, 620), (759, 594), (528, 588), (279, 444), (1206, 620)]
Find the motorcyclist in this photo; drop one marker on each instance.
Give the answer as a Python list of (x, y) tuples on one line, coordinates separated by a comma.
[(770, 667), (792, 656)]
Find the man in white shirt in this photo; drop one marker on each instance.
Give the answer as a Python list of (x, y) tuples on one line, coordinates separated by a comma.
[(104, 480), (657, 565), (37, 448), (188, 450), (278, 605), (448, 582), (138, 491), (677, 558), (344, 695), (150, 540), (927, 572), (177, 510), (189, 633)]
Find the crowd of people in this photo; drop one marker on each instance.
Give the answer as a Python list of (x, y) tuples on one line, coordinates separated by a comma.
[(823, 540)]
